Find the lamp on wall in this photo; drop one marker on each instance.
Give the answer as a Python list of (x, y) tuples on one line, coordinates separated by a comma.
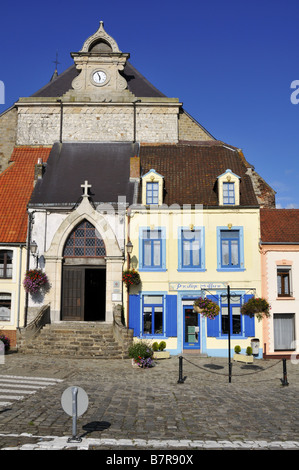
[(129, 247), (33, 251)]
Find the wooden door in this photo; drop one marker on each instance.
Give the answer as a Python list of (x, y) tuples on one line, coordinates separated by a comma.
[(73, 293)]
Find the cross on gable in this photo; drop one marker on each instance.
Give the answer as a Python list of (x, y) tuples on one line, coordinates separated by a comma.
[(85, 186)]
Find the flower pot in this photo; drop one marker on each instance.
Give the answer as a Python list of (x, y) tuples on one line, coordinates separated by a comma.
[(161, 355), (243, 358)]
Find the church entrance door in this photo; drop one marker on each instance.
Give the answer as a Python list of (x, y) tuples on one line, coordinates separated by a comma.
[(84, 275), (84, 293)]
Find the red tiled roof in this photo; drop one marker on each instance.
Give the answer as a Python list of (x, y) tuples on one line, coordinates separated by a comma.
[(16, 186), (280, 225)]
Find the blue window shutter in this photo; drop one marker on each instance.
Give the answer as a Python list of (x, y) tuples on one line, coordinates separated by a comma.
[(249, 327), (171, 315), (213, 328), (134, 314)]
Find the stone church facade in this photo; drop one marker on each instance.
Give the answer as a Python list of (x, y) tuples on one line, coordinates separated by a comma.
[(92, 116)]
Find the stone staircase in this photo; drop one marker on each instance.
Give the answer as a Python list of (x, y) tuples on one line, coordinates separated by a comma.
[(78, 339)]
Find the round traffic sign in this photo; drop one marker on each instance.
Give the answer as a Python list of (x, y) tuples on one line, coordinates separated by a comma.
[(67, 400)]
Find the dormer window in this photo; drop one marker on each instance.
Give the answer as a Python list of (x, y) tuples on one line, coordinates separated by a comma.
[(229, 189), (152, 193), (228, 193), (152, 189)]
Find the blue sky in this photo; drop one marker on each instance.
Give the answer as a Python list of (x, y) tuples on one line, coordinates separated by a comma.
[(230, 62)]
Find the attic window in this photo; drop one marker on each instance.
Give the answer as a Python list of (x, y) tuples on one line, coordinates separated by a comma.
[(228, 193), (229, 189), (152, 188), (152, 193)]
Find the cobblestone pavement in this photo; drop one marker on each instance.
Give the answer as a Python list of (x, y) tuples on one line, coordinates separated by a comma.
[(132, 408)]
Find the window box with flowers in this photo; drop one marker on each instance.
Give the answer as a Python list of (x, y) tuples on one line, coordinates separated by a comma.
[(35, 281), (206, 307), (256, 306), (131, 278)]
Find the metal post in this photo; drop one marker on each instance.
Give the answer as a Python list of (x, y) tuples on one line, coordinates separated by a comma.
[(181, 379), (284, 380), (229, 316), (74, 437)]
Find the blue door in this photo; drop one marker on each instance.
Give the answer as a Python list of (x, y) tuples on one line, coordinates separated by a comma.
[(191, 328)]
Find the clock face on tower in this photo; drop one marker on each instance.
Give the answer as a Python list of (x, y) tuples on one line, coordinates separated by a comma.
[(99, 77)]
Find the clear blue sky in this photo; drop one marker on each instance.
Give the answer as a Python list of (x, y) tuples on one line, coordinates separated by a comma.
[(230, 62)]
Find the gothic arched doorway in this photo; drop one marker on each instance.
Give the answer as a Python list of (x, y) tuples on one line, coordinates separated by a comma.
[(84, 275)]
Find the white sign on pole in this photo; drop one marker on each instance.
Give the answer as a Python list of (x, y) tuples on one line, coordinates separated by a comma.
[(67, 401)]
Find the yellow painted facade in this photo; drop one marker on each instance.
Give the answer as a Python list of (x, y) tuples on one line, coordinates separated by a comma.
[(210, 279)]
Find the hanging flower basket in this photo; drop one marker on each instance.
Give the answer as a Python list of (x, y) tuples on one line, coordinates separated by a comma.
[(206, 307), (256, 306), (131, 278), (35, 281)]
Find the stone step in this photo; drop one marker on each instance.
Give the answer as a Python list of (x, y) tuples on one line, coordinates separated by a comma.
[(77, 339)]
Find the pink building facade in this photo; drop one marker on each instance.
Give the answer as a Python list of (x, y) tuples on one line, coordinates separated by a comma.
[(279, 247)]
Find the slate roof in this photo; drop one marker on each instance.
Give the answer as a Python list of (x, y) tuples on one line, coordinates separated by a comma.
[(106, 166), (137, 83), (16, 186), (190, 171), (279, 225)]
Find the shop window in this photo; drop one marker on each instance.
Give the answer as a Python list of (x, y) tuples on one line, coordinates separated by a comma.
[(152, 315), (284, 331), (5, 306)]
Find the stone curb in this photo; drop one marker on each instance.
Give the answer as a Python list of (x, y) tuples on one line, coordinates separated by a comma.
[(60, 443)]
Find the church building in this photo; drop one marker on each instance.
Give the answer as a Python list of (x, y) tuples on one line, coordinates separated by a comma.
[(124, 163)]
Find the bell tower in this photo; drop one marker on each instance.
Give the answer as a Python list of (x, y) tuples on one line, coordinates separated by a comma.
[(100, 63)]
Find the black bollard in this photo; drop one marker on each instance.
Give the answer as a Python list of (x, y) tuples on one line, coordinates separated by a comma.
[(181, 379), (284, 379)]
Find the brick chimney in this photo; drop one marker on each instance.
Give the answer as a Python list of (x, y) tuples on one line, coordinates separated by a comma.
[(135, 168)]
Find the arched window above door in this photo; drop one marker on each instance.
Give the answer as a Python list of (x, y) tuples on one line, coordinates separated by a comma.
[(84, 241)]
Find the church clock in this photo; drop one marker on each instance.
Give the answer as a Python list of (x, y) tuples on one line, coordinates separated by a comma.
[(99, 77)]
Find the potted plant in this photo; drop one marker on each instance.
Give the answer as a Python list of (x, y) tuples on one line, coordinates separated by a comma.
[(159, 350), (131, 278), (206, 307), (256, 306), (35, 281), (6, 342), (142, 354), (247, 358)]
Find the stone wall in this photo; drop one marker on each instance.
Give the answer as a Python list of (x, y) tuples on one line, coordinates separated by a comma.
[(8, 128), (190, 130), (40, 125)]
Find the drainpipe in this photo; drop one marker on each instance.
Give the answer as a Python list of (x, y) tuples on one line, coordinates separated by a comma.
[(128, 265), (30, 219), (19, 288), (61, 120), (134, 104)]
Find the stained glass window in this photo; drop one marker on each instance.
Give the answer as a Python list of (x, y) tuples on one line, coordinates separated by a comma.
[(85, 241)]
